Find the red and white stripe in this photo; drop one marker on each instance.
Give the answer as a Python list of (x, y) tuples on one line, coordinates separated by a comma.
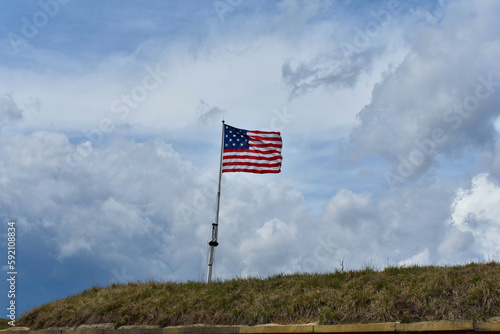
[(262, 156)]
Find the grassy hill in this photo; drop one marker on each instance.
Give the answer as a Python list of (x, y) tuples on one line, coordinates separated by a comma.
[(404, 294)]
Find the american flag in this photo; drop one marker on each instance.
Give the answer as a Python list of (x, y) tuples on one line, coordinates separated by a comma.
[(251, 151)]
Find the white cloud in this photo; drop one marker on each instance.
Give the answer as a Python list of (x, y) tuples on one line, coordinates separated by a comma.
[(413, 111), (421, 258), (476, 213), (271, 249), (108, 198), (365, 230)]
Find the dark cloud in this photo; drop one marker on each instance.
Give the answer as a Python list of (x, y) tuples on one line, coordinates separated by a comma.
[(326, 71), (10, 113)]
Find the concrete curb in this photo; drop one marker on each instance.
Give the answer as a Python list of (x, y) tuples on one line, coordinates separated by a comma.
[(436, 326), (391, 327), (357, 328)]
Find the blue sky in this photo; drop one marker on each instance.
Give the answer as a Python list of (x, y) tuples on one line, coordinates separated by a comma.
[(110, 121)]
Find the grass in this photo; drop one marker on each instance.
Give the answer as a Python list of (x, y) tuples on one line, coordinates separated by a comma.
[(404, 294), (4, 324)]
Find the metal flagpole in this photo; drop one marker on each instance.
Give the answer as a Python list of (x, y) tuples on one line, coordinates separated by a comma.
[(215, 225)]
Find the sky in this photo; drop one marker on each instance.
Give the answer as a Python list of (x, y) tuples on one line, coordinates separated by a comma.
[(110, 129)]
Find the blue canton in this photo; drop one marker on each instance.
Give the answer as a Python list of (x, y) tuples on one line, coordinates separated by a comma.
[(235, 138)]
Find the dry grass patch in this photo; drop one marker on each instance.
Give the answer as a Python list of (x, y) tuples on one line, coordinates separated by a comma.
[(405, 294)]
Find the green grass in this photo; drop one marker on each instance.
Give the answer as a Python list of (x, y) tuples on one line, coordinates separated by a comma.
[(405, 294)]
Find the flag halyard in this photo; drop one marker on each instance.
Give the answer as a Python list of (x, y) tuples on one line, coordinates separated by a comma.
[(251, 151)]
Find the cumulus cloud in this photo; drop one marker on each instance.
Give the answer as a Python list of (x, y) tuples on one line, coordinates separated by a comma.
[(106, 198), (421, 258), (458, 246), (275, 241), (126, 202), (475, 218), (259, 227), (442, 98), (363, 230)]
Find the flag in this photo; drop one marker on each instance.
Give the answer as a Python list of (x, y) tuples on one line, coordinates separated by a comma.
[(251, 151)]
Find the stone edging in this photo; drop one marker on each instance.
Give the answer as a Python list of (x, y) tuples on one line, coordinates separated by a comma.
[(391, 327)]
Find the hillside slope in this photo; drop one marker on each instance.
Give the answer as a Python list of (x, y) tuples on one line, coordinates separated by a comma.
[(407, 294)]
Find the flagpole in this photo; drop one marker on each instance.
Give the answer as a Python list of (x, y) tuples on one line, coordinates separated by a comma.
[(215, 225)]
